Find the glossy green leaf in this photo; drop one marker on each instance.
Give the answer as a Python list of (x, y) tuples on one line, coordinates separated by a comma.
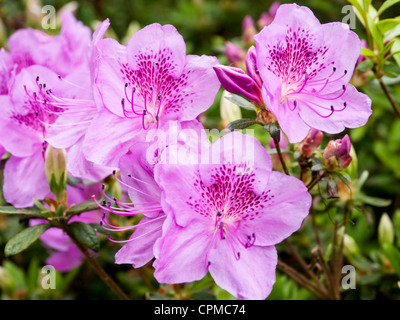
[(85, 234), (24, 239)]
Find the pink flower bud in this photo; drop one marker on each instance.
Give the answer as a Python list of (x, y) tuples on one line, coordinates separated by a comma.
[(337, 154), (234, 53), (236, 81), (248, 30), (311, 142)]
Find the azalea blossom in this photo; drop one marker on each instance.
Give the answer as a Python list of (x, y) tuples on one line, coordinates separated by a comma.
[(144, 85), (62, 53), (306, 67), (225, 218), (166, 145)]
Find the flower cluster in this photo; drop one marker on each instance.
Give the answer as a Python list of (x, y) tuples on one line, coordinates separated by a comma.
[(133, 111)]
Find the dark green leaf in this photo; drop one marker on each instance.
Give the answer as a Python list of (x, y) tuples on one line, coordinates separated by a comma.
[(24, 239), (85, 234), (240, 124), (33, 211), (82, 207)]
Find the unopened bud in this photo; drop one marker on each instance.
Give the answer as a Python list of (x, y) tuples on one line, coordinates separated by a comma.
[(336, 155), (311, 142), (248, 30), (385, 230), (350, 246), (267, 17), (56, 170), (235, 54)]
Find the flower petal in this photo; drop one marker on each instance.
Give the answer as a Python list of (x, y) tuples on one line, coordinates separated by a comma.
[(181, 253), (140, 251), (109, 137), (251, 277), (282, 214), (24, 179)]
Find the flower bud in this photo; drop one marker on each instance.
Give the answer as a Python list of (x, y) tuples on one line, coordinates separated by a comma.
[(336, 155), (251, 66), (248, 30), (229, 111), (56, 170), (267, 17), (350, 247), (235, 80), (235, 54), (385, 230), (311, 142)]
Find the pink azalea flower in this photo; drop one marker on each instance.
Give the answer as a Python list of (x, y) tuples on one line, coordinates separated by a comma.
[(137, 176), (43, 108), (306, 68), (64, 255), (228, 219), (144, 85), (60, 53)]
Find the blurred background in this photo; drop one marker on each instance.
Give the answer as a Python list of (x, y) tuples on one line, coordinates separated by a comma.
[(206, 25)]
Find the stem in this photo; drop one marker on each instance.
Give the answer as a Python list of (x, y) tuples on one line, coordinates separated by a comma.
[(100, 271), (325, 266), (387, 93), (278, 150), (303, 264), (300, 279), (315, 181), (335, 267)]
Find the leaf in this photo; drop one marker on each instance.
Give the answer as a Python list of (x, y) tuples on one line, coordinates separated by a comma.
[(388, 24), (240, 124), (240, 101), (82, 207), (393, 254), (85, 234), (33, 211), (318, 167), (373, 201), (365, 65), (367, 52), (24, 239), (386, 5)]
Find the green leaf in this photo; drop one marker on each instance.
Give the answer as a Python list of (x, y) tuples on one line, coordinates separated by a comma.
[(82, 207), (240, 124), (386, 5), (240, 101), (393, 255), (317, 167), (388, 24), (373, 201), (85, 234), (24, 239), (367, 52), (365, 65), (33, 211)]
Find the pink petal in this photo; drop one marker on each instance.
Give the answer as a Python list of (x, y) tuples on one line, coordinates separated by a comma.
[(24, 179)]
